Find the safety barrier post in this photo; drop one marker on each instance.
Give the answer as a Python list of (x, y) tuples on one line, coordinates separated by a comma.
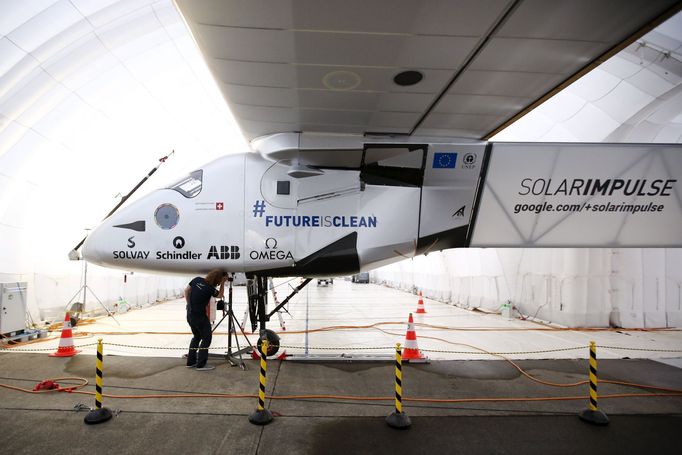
[(592, 414), (262, 416), (398, 419), (99, 414)]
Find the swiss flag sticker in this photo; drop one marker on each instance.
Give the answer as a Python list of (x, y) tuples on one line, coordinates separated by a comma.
[(218, 205)]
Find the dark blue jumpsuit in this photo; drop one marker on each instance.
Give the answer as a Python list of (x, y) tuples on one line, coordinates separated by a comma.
[(199, 297)]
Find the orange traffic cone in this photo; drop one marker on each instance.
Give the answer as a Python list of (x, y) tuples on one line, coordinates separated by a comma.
[(66, 348), (420, 304), (411, 351)]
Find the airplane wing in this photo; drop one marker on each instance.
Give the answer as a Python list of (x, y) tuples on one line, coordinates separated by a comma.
[(448, 68)]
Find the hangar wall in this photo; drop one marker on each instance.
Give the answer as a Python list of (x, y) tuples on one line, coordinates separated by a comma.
[(573, 287), (48, 294)]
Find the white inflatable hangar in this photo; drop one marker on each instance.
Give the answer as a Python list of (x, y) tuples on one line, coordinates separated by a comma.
[(483, 152)]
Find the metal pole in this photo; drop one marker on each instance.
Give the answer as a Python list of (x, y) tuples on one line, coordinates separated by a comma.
[(122, 201), (85, 282), (307, 305)]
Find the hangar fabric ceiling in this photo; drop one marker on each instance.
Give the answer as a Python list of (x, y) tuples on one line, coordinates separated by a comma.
[(357, 66), (635, 96)]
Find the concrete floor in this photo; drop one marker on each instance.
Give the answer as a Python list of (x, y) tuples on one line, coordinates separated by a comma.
[(156, 337), (366, 319), (34, 423)]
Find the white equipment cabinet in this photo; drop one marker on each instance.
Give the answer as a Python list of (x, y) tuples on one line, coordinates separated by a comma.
[(12, 307)]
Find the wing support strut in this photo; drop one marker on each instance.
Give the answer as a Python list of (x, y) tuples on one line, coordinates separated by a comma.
[(296, 290), (257, 291)]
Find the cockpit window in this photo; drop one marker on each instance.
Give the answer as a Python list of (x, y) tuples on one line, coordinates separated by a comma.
[(189, 186)]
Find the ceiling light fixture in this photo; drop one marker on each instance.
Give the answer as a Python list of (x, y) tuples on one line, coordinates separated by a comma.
[(407, 78), (341, 80)]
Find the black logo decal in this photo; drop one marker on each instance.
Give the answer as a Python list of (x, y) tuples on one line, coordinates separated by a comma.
[(226, 252), (138, 226), (270, 243), (460, 213), (131, 242), (178, 242), (470, 158)]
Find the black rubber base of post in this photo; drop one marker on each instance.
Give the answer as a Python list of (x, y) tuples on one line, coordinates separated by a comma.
[(98, 416), (398, 420), (594, 417), (262, 417)]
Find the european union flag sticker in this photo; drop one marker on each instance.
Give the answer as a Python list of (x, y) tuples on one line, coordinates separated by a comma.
[(444, 160)]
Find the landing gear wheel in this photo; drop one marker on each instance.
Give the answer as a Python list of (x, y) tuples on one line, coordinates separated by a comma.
[(273, 342), (75, 313)]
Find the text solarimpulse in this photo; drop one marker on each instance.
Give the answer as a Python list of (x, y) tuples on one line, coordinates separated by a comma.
[(594, 186)]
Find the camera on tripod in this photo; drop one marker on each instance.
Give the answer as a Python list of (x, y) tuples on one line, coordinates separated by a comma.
[(220, 304)]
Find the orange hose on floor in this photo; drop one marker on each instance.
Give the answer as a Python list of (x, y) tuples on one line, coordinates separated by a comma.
[(332, 397)]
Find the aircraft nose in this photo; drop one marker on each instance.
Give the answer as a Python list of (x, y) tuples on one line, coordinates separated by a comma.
[(92, 247), (130, 238)]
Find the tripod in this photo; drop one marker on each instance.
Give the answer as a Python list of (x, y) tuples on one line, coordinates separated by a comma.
[(79, 307), (232, 324)]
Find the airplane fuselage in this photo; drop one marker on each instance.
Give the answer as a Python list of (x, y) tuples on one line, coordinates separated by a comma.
[(315, 206), (243, 213)]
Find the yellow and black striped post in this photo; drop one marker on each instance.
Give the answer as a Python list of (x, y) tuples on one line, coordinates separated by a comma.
[(593, 376), (592, 414), (262, 416), (99, 414), (263, 371), (398, 419), (98, 378), (398, 380)]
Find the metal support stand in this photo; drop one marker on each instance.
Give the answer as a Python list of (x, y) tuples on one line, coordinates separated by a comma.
[(84, 289), (232, 325), (271, 285), (257, 290)]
